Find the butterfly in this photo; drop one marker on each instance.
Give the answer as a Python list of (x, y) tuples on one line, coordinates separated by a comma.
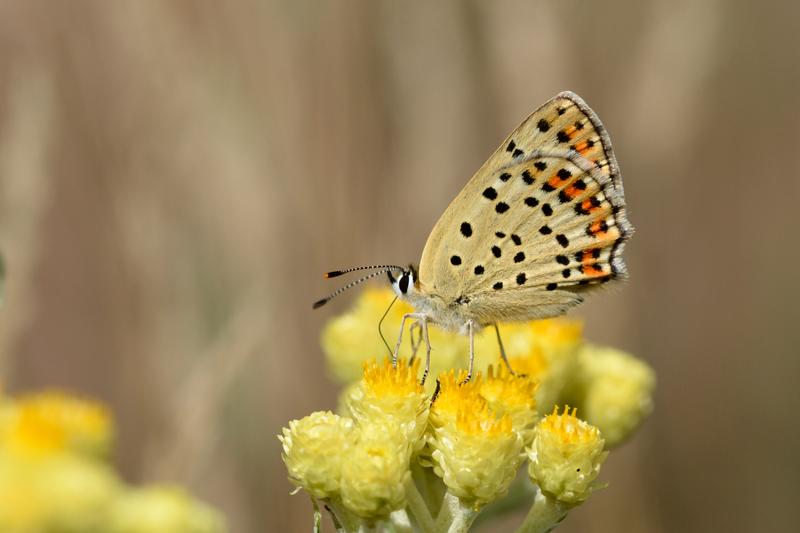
[(539, 225)]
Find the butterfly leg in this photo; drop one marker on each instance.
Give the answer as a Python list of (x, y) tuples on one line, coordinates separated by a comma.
[(424, 322), (503, 350), (414, 343), (418, 316), (471, 333)]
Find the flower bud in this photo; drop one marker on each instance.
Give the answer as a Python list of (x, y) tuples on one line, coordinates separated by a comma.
[(393, 393), (376, 470), (616, 391), (475, 452), (314, 449), (162, 508), (565, 457)]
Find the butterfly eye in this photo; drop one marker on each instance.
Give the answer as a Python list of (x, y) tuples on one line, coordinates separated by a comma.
[(403, 284)]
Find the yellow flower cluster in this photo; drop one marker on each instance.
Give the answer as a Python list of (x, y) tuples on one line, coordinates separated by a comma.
[(362, 462), (406, 457), (54, 474)]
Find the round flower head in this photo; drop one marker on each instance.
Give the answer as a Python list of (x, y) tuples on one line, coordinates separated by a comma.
[(376, 471), (565, 457), (52, 422), (162, 508), (388, 392), (512, 395), (314, 449), (617, 391), (455, 395), (475, 452)]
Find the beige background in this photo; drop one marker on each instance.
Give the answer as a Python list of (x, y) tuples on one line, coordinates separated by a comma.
[(174, 177)]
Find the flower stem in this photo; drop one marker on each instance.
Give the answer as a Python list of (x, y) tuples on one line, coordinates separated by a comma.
[(317, 517), (399, 522), (343, 521), (454, 517), (417, 506), (545, 514)]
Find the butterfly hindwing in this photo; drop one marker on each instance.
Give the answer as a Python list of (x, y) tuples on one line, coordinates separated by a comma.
[(541, 221)]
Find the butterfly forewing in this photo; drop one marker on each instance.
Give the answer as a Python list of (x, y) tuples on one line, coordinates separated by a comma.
[(543, 219)]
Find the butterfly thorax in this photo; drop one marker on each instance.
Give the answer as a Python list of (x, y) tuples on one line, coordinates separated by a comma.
[(450, 315)]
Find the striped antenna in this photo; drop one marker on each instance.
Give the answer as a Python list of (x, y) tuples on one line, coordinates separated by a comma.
[(334, 294), (337, 273)]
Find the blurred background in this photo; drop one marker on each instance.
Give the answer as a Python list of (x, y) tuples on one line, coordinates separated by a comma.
[(175, 176)]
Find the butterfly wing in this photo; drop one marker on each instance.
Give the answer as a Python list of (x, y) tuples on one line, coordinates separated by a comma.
[(542, 221)]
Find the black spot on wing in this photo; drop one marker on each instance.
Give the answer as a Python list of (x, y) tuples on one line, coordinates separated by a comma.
[(527, 178), (521, 278), (496, 251), (490, 193), (455, 260), (478, 270), (562, 240), (547, 210), (519, 257), (501, 207), (530, 201), (497, 286), (466, 229), (543, 125)]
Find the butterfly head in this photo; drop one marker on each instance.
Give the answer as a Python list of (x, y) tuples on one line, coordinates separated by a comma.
[(402, 284), (403, 281)]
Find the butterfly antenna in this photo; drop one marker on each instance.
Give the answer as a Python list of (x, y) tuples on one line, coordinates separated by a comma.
[(380, 323), (334, 294), (337, 273)]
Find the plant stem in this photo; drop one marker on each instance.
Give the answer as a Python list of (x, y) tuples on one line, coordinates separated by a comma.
[(418, 507), (400, 522), (454, 517), (545, 514)]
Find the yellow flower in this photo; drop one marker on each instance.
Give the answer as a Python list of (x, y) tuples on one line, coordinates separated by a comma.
[(616, 391), (162, 508), (53, 421), (387, 392), (514, 396), (476, 453), (454, 395), (545, 350), (55, 492), (376, 471), (314, 449), (565, 456), (352, 338)]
